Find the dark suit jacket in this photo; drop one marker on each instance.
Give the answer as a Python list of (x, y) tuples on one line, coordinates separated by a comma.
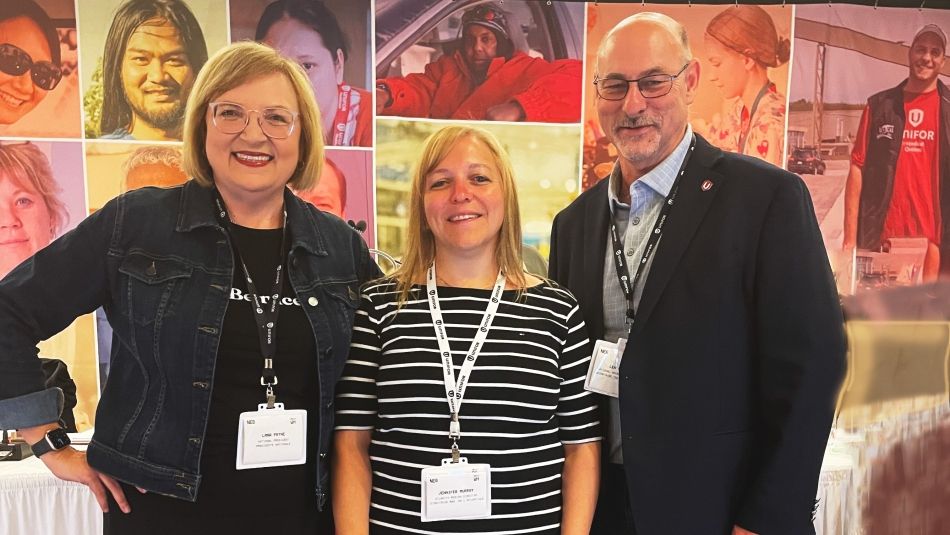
[(730, 373)]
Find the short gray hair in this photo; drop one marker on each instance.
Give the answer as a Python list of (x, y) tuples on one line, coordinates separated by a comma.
[(152, 154)]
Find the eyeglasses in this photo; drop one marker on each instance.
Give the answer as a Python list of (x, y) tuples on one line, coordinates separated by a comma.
[(15, 62), (653, 86), (230, 118)]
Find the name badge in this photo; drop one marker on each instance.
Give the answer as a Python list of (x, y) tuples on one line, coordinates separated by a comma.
[(603, 374), (456, 491), (271, 437)]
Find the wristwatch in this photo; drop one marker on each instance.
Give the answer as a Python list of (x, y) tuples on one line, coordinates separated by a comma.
[(55, 440)]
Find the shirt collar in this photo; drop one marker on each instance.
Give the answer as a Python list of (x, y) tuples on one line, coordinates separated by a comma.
[(660, 179)]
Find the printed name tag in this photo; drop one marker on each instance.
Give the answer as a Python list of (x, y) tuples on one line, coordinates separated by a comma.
[(456, 491), (271, 437), (603, 374)]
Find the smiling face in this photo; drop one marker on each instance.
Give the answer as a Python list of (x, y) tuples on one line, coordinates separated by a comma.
[(156, 75), (480, 47), (25, 223), (645, 130), (926, 58), (249, 163), (728, 72), (18, 94), (464, 201), (324, 68)]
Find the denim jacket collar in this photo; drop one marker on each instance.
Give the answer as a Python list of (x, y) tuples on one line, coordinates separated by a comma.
[(196, 210)]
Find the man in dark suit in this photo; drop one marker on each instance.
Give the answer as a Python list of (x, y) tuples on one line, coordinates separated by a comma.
[(734, 341)]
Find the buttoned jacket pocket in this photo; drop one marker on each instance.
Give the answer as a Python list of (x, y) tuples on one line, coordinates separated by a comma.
[(153, 285)]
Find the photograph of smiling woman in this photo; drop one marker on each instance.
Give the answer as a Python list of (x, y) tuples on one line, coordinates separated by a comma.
[(29, 62), (31, 211)]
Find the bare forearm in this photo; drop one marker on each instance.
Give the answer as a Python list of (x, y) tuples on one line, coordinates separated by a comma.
[(352, 482), (32, 435), (581, 479)]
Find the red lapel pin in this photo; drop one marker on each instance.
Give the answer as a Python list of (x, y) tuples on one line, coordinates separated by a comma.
[(707, 185)]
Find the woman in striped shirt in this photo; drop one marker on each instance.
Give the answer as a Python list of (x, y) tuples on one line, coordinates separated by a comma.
[(461, 324)]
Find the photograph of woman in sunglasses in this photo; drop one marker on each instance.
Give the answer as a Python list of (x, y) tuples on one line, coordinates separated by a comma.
[(31, 67)]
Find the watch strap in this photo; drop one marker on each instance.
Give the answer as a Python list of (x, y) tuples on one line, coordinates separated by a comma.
[(47, 443)]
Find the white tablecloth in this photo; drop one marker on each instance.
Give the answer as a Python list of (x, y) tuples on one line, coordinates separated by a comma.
[(33, 501), (835, 495)]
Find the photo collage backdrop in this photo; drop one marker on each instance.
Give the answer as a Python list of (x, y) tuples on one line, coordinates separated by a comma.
[(99, 111)]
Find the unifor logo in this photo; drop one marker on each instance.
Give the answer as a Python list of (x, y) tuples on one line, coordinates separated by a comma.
[(915, 117), (438, 322)]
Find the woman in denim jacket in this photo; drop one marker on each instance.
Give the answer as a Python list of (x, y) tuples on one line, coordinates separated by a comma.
[(195, 281)]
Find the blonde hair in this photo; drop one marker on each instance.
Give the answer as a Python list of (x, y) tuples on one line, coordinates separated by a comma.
[(231, 67), (27, 166), (420, 243)]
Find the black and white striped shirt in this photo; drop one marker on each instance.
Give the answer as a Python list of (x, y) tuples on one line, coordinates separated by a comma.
[(524, 400)]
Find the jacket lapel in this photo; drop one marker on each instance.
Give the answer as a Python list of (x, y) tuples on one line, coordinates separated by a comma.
[(595, 249), (693, 200)]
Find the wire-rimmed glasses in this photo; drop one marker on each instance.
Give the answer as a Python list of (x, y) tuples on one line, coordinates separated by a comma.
[(230, 118), (652, 86)]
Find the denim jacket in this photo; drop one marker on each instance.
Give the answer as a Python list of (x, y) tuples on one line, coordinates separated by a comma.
[(161, 265)]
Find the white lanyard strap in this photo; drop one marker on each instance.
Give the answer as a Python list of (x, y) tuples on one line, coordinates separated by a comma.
[(455, 392)]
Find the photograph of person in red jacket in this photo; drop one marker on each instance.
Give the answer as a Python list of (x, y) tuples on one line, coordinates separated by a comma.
[(484, 75)]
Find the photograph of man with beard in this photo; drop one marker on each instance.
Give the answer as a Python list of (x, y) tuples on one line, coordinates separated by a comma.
[(153, 51)]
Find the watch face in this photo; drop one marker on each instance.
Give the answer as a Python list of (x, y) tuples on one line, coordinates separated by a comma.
[(58, 438)]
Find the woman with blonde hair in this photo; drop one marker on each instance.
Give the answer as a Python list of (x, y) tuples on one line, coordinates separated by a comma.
[(464, 366), (31, 212), (741, 45), (230, 301)]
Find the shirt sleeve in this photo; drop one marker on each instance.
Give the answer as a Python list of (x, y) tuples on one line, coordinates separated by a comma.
[(356, 389), (859, 151), (578, 417)]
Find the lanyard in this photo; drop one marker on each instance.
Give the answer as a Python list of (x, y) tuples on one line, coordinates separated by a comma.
[(264, 315), (620, 262), (744, 132), (455, 391), (342, 117)]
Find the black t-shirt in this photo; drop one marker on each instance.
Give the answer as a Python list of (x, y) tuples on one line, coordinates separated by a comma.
[(237, 386), (245, 498)]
